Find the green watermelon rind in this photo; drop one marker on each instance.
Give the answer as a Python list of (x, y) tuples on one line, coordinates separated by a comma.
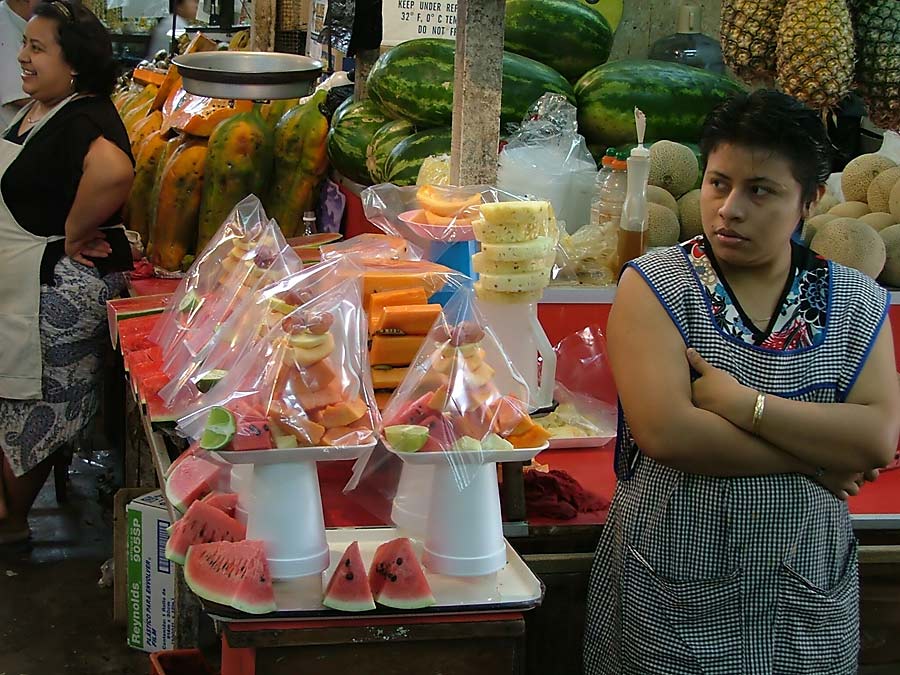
[(352, 128), (581, 37), (210, 521), (383, 141), (414, 80), (405, 160), (675, 98), (250, 554)]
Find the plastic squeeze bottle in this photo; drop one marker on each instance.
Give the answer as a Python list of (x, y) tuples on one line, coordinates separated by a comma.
[(632, 239)]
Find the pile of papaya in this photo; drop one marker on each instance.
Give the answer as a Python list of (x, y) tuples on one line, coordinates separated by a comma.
[(197, 157)]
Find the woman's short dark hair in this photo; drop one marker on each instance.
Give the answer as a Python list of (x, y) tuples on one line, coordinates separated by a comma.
[(775, 121), (85, 45)]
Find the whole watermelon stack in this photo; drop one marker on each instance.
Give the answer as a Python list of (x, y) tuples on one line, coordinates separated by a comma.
[(385, 140), (675, 98), (563, 34), (403, 164), (352, 128), (414, 80)]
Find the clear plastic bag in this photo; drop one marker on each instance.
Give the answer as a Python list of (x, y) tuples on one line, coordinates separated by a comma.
[(305, 384), (372, 247), (546, 158)]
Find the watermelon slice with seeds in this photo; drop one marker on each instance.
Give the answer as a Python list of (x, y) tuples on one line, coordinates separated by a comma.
[(192, 479), (348, 589), (224, 501), (231, 573), (396, 577), (202, 524)]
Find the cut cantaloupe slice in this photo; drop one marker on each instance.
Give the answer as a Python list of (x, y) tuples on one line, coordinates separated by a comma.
[(326, 396), (441, 202), (534, 437), (342, 414), (407, 319), (405, 296), (394, 350), (388, 378)]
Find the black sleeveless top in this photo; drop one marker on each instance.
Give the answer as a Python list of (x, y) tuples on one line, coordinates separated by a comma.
[(39, 187)]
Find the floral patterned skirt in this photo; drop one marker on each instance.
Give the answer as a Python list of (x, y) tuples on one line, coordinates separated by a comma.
[(74, 340)]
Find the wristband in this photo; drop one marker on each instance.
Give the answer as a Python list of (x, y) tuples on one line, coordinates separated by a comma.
[(758, 411)]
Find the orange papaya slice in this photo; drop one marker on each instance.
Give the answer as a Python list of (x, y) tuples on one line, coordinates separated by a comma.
[(394, 350), (405, 296), (388, 378), (407, 319), (342, 414), (533, 438)]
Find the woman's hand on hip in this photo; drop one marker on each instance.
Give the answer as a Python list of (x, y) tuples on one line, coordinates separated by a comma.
[(94, 247), (718, 392)]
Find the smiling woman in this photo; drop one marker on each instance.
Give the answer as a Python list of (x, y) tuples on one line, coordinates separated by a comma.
[(757, 391), (65, 171)]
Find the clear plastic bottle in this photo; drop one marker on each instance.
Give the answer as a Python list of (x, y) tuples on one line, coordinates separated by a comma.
[(602, 175), (612, 193), (308, 225)]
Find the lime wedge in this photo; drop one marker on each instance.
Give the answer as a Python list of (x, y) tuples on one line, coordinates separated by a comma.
[(406, 437), (220, 429), (189, 302), (466, 444), (208, 380), (495, 442)]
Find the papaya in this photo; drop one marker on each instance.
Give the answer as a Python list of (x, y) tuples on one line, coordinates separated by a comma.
[(535, 437), (146, 94), (404, 296), (391, 275), (143, 128), (172, 80), (388, 378), (407, 319), (135, 114), (239, 162), (137, 210), (200, 115), (174, 229), (275, 109), (342, 414), (382, 398), (394, 350), (300, 163)]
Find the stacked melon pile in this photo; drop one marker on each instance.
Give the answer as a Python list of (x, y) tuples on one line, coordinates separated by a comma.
[(862, 232)]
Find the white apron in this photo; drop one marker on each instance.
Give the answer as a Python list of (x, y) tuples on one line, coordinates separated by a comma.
[(20, 285)]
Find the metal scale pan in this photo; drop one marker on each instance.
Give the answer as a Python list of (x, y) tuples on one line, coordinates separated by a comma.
[(254, 76)]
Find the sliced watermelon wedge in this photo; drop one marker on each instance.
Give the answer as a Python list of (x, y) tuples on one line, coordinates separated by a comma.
[(192, 479), (313, 240), (348, 589), (231, 573), (202, 524), (224, 501), (396, 577)]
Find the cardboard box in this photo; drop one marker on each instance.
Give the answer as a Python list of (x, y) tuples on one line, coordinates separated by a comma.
[(150, 579)]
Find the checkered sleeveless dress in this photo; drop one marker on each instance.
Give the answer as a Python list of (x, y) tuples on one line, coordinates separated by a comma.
[(737, 576)]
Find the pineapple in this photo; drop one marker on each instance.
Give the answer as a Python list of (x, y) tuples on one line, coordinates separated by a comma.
[(748, 37), (878, 69), (815, 55)]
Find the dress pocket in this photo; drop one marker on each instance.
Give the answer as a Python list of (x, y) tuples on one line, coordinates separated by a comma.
[(817, 630), (679, 628)]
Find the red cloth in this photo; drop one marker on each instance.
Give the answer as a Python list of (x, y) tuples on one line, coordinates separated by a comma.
[(143, 269), (557, 495)]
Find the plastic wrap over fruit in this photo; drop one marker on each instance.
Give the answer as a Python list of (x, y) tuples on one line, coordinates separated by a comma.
[(305, 384), (372, 247), (230, 256), (247, 324)]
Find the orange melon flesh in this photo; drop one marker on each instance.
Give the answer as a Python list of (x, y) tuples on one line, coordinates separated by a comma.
[(382, 398), (388, 378), (404, 296), (408, 319), (387, 275), (394, 350), (533, 438)]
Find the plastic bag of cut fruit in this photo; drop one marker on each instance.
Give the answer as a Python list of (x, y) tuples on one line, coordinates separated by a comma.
[(248, 323), (233, 248), (373, 247), (461, 396), (430, 216), (305, 384)]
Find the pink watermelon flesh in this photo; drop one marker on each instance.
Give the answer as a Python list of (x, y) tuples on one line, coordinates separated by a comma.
[(252, 433), (348, 589), (202, 524), (191, 480), (440, 432), (231, 573), (413, 412), (192, 450), (397, 579), (224, 501)]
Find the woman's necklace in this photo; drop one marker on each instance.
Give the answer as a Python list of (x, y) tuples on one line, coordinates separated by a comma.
[(33, 117)]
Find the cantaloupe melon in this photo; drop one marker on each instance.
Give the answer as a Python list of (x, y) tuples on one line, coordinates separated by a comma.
[(851, 209), (859, 173), (890, 275), (342, 414), (689, 214), (662, 226), (661, 196), (879, 221), (814, 224), (827, 201), (852, 243), (879, 193), (894, 201), (673, 166)]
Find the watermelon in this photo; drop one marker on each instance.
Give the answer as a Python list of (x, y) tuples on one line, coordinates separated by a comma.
[(414, 80), (252, 433), (675, 98), (397, 579), (202, 524), (348, 589), (384, 140), (565, 35), (192, 479), (231, 573), (192, 450), (226, 502), (352, 128), (611, 10), (403, 164), (413, 412)]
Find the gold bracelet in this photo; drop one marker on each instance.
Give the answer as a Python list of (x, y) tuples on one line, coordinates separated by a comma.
[(758, 411)]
